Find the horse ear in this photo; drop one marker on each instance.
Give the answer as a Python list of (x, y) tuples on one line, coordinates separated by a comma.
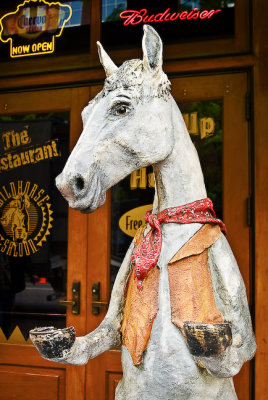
[(107, 63), (152, 49)]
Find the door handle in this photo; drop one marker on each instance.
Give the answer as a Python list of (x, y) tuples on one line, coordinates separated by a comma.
[(100, 304), (75, 302), (66, 303), (96, 304)]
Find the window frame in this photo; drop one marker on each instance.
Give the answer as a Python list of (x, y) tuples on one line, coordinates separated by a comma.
[(239, 44)]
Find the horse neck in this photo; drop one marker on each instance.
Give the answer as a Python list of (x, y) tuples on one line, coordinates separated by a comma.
[(179, 178)]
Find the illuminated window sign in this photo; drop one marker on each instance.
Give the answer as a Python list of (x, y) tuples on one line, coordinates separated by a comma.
[(133, 17), (32, 28), (176, 21)]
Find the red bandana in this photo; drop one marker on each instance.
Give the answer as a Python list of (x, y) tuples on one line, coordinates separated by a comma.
[(145, 255)]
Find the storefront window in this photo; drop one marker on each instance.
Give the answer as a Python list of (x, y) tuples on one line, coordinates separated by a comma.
[(204, 123), (176, 21), (44, 28), (33, 223), (134, 191), (112, 8), (77, 11), (133, 196)]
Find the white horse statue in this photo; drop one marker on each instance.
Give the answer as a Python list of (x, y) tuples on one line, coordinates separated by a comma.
[(193, 338)]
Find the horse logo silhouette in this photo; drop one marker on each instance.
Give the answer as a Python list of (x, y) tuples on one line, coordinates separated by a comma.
[(25, 219), (17, 216)]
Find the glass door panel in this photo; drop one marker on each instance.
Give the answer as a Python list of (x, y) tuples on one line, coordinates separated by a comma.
[(204, 123), (33, 223), (134, 193)]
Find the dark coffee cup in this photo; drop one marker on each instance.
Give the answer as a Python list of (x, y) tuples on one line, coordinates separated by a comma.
[(207, 339), (52, 342)]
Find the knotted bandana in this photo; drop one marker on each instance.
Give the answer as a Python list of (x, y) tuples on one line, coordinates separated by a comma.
[(146, 254)]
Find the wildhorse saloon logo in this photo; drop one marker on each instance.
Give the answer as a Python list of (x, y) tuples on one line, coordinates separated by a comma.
[(25, 218)]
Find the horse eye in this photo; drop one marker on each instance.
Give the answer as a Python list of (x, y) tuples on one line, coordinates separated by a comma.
[(121, 110)]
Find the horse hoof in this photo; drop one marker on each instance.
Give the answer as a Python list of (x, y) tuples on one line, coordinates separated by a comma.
[(52, 342), (207, 339)]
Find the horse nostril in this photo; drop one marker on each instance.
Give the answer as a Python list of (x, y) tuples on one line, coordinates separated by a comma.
[(79, 183)]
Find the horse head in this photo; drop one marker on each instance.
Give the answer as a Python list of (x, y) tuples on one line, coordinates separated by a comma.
[(125, 127)]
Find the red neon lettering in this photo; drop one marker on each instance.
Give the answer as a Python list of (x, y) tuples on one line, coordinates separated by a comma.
[(184, 15), (174, 16), (189, 16), (130, 16), (138, 17), (157, 18), (203, 14), (167, 17), (212, 12), (196, 15), (134, 17), (145, 19), (164, 14), (143, 12)]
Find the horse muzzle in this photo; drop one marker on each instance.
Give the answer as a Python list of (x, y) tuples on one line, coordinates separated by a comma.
[(80, 193)]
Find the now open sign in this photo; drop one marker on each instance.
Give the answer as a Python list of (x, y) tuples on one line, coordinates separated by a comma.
[(32, 28)]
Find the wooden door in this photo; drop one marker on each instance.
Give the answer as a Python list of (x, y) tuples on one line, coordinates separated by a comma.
[(215, 113), (229, 92), (37, 131)]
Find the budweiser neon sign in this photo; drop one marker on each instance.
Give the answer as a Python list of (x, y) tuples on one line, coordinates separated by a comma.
[(134, 17)]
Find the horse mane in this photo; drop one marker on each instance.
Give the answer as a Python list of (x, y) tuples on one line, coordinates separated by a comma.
[(131, 75)]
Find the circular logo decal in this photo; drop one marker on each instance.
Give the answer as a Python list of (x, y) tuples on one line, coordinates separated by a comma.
[(25, 218)]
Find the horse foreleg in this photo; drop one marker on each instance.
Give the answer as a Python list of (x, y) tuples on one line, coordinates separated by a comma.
[(103, 338)]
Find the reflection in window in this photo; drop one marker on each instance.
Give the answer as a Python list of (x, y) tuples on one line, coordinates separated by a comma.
[(76, 18), (33, 223), (111, 9), (203, 4), (204, 123)]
